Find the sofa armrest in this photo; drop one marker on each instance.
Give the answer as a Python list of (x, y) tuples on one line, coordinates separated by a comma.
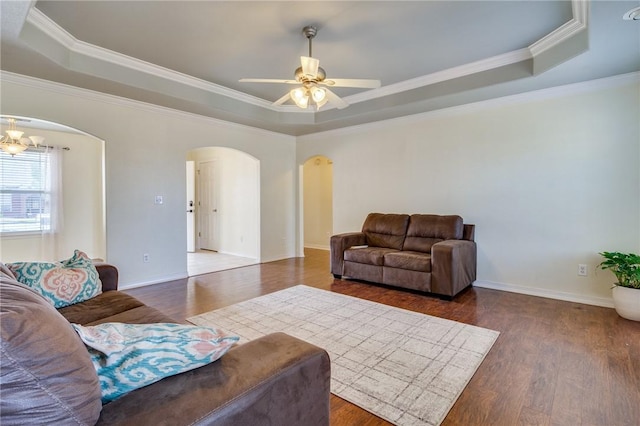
[(469, 232), (341, 242), (277, 379), (453, 266), (108, 276)]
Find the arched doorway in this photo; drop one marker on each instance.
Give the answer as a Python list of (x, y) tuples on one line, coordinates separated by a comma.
[(317, 205), (225, 209), (80, 204)]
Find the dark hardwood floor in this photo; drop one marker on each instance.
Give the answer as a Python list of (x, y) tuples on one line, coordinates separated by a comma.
[(555, 363)]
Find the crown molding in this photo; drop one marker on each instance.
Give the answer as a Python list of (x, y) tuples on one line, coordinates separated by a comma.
[(41, 21), (580, 10), (493, 62), (521, 98), (60, 35), (578, 23), (542, 94), (92, 95)]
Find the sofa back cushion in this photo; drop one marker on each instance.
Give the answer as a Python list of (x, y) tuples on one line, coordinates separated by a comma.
[(427, 229), (385, 230), (46, 373)]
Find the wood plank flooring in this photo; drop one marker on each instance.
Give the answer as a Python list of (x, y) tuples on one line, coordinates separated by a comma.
[(555, 363)]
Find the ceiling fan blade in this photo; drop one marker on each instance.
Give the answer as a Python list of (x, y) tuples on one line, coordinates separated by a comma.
[(351, 82), (266, 80), (336, 100), (309, 66), (283, 99)]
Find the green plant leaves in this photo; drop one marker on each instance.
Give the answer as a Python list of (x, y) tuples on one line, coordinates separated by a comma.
[(625, 266)]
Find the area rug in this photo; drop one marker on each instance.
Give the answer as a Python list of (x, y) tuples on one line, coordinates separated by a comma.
[(406, 367)]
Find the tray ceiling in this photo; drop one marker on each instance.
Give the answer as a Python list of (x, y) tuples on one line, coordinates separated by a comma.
[(428, 54)]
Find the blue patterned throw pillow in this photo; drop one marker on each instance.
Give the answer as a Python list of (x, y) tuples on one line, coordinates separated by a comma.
[(130, 356), (62, 283)]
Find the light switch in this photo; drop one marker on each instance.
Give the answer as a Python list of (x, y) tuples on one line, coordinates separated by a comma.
[(158, 199)]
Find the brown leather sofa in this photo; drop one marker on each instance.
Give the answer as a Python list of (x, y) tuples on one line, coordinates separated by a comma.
[(429, 253), (276, 380)]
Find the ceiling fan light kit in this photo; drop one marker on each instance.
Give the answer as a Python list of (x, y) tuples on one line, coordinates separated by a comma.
[(311, 76), (300, 97)]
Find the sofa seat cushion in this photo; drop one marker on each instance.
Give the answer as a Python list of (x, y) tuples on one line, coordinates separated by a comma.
[(385, 230), (104, 305), (140, 315), (411, 260), (367, 255), (46, 373)]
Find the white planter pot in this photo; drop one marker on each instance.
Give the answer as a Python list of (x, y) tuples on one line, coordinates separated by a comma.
[(627, 302)]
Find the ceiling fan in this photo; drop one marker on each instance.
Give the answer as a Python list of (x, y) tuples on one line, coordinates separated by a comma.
[(312, 80)]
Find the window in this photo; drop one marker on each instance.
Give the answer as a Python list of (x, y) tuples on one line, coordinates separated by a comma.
[(25, 192)]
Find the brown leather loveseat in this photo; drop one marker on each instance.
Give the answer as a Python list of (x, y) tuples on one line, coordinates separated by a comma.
[(47, 377), (429, 253)]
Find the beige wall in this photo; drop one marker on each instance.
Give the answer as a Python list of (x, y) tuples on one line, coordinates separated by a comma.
[(318, 202), (550, 179), (145, 152), (549, 182), (83, 207)]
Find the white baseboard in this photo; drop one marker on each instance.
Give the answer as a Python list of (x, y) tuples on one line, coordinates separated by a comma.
[(317, 247), (158, 280), (549, 294), (513, 288), (231, 253), (277, 257)]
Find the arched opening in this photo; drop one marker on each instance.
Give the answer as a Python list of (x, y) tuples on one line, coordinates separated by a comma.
[(79, 201), (317, 187), (222, 209)]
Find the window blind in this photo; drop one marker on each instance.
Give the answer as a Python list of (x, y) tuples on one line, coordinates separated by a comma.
[(24, 197)]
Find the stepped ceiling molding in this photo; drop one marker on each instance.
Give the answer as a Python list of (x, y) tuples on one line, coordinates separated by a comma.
[(429, 55)]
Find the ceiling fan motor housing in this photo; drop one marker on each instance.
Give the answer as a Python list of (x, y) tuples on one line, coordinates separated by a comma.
[(309, 31), (302, 78)]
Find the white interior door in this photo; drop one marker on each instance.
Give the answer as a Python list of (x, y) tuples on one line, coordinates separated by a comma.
[(191, 193), (208, 212)]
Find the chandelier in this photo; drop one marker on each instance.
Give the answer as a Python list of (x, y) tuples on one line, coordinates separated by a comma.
[(13, 143)]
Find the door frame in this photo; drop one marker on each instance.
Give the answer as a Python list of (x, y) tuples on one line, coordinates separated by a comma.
[(190, 202), (301, 198)]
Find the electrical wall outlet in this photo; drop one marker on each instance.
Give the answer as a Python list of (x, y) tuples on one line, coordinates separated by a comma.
[(158, 199), (582, 270), (145, 258)]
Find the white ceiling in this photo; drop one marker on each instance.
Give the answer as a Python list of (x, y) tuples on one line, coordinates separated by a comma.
[(189, 55)]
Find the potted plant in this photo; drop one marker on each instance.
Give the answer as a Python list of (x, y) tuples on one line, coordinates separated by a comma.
[(626, 292)]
